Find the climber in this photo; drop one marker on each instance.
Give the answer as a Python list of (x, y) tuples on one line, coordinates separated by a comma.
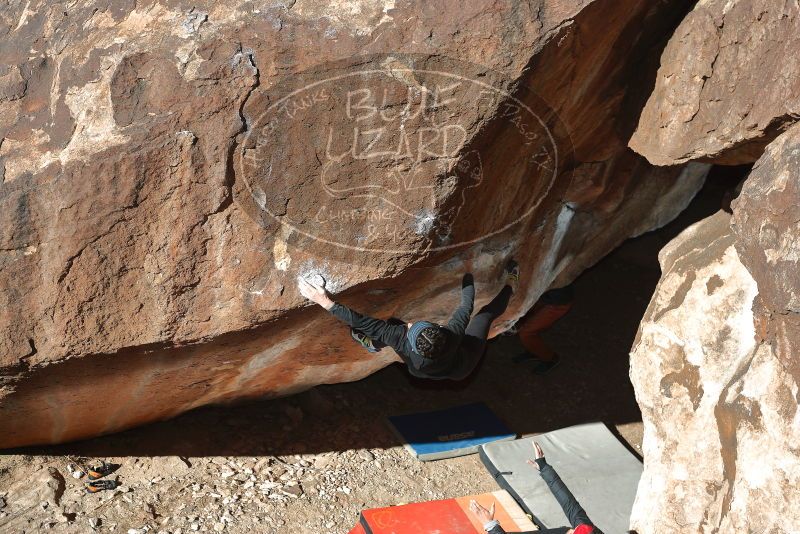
[(580, 522), (550, 307), (429, 350)]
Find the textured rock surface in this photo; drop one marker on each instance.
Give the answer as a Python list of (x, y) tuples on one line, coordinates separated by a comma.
[(137, 280), (715, 365), (729, 82), (767, 224)]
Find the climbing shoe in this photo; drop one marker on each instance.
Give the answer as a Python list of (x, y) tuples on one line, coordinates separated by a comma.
[(363, 340), (542, 367), (102, 470), (101, 485), (539, 367), (512, 271)]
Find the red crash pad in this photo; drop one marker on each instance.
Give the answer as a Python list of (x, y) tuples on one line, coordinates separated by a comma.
[(451, 516)]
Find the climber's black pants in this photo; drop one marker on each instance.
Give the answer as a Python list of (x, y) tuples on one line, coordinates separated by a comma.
[(473, 344)]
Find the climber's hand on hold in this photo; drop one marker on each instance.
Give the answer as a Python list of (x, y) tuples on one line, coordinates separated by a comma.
[(315, 293), (467, 281)]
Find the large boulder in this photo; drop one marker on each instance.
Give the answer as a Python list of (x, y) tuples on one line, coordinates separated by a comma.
[(715, 365), (767, 224), (167, 173), (728, 84)]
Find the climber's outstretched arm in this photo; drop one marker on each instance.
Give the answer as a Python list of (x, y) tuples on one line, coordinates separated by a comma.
[(572, 509), (460, 319), (376, 329), (575, 513)]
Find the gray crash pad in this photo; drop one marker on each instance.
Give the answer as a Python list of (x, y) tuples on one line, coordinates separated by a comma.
[(598, 469)]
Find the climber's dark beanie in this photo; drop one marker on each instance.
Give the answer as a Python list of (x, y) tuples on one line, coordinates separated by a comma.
[(415, 330)]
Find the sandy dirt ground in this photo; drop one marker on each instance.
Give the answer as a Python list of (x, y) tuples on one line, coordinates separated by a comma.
[(309, 463)]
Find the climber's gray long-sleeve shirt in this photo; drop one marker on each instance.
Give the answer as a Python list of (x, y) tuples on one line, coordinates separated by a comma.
[(394, 335)]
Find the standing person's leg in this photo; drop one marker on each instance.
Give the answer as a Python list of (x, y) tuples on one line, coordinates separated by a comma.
[(535, 348), (551, 307), (530, 328)]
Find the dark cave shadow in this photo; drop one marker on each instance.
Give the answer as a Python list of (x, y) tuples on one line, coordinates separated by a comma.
[(591, 383)]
